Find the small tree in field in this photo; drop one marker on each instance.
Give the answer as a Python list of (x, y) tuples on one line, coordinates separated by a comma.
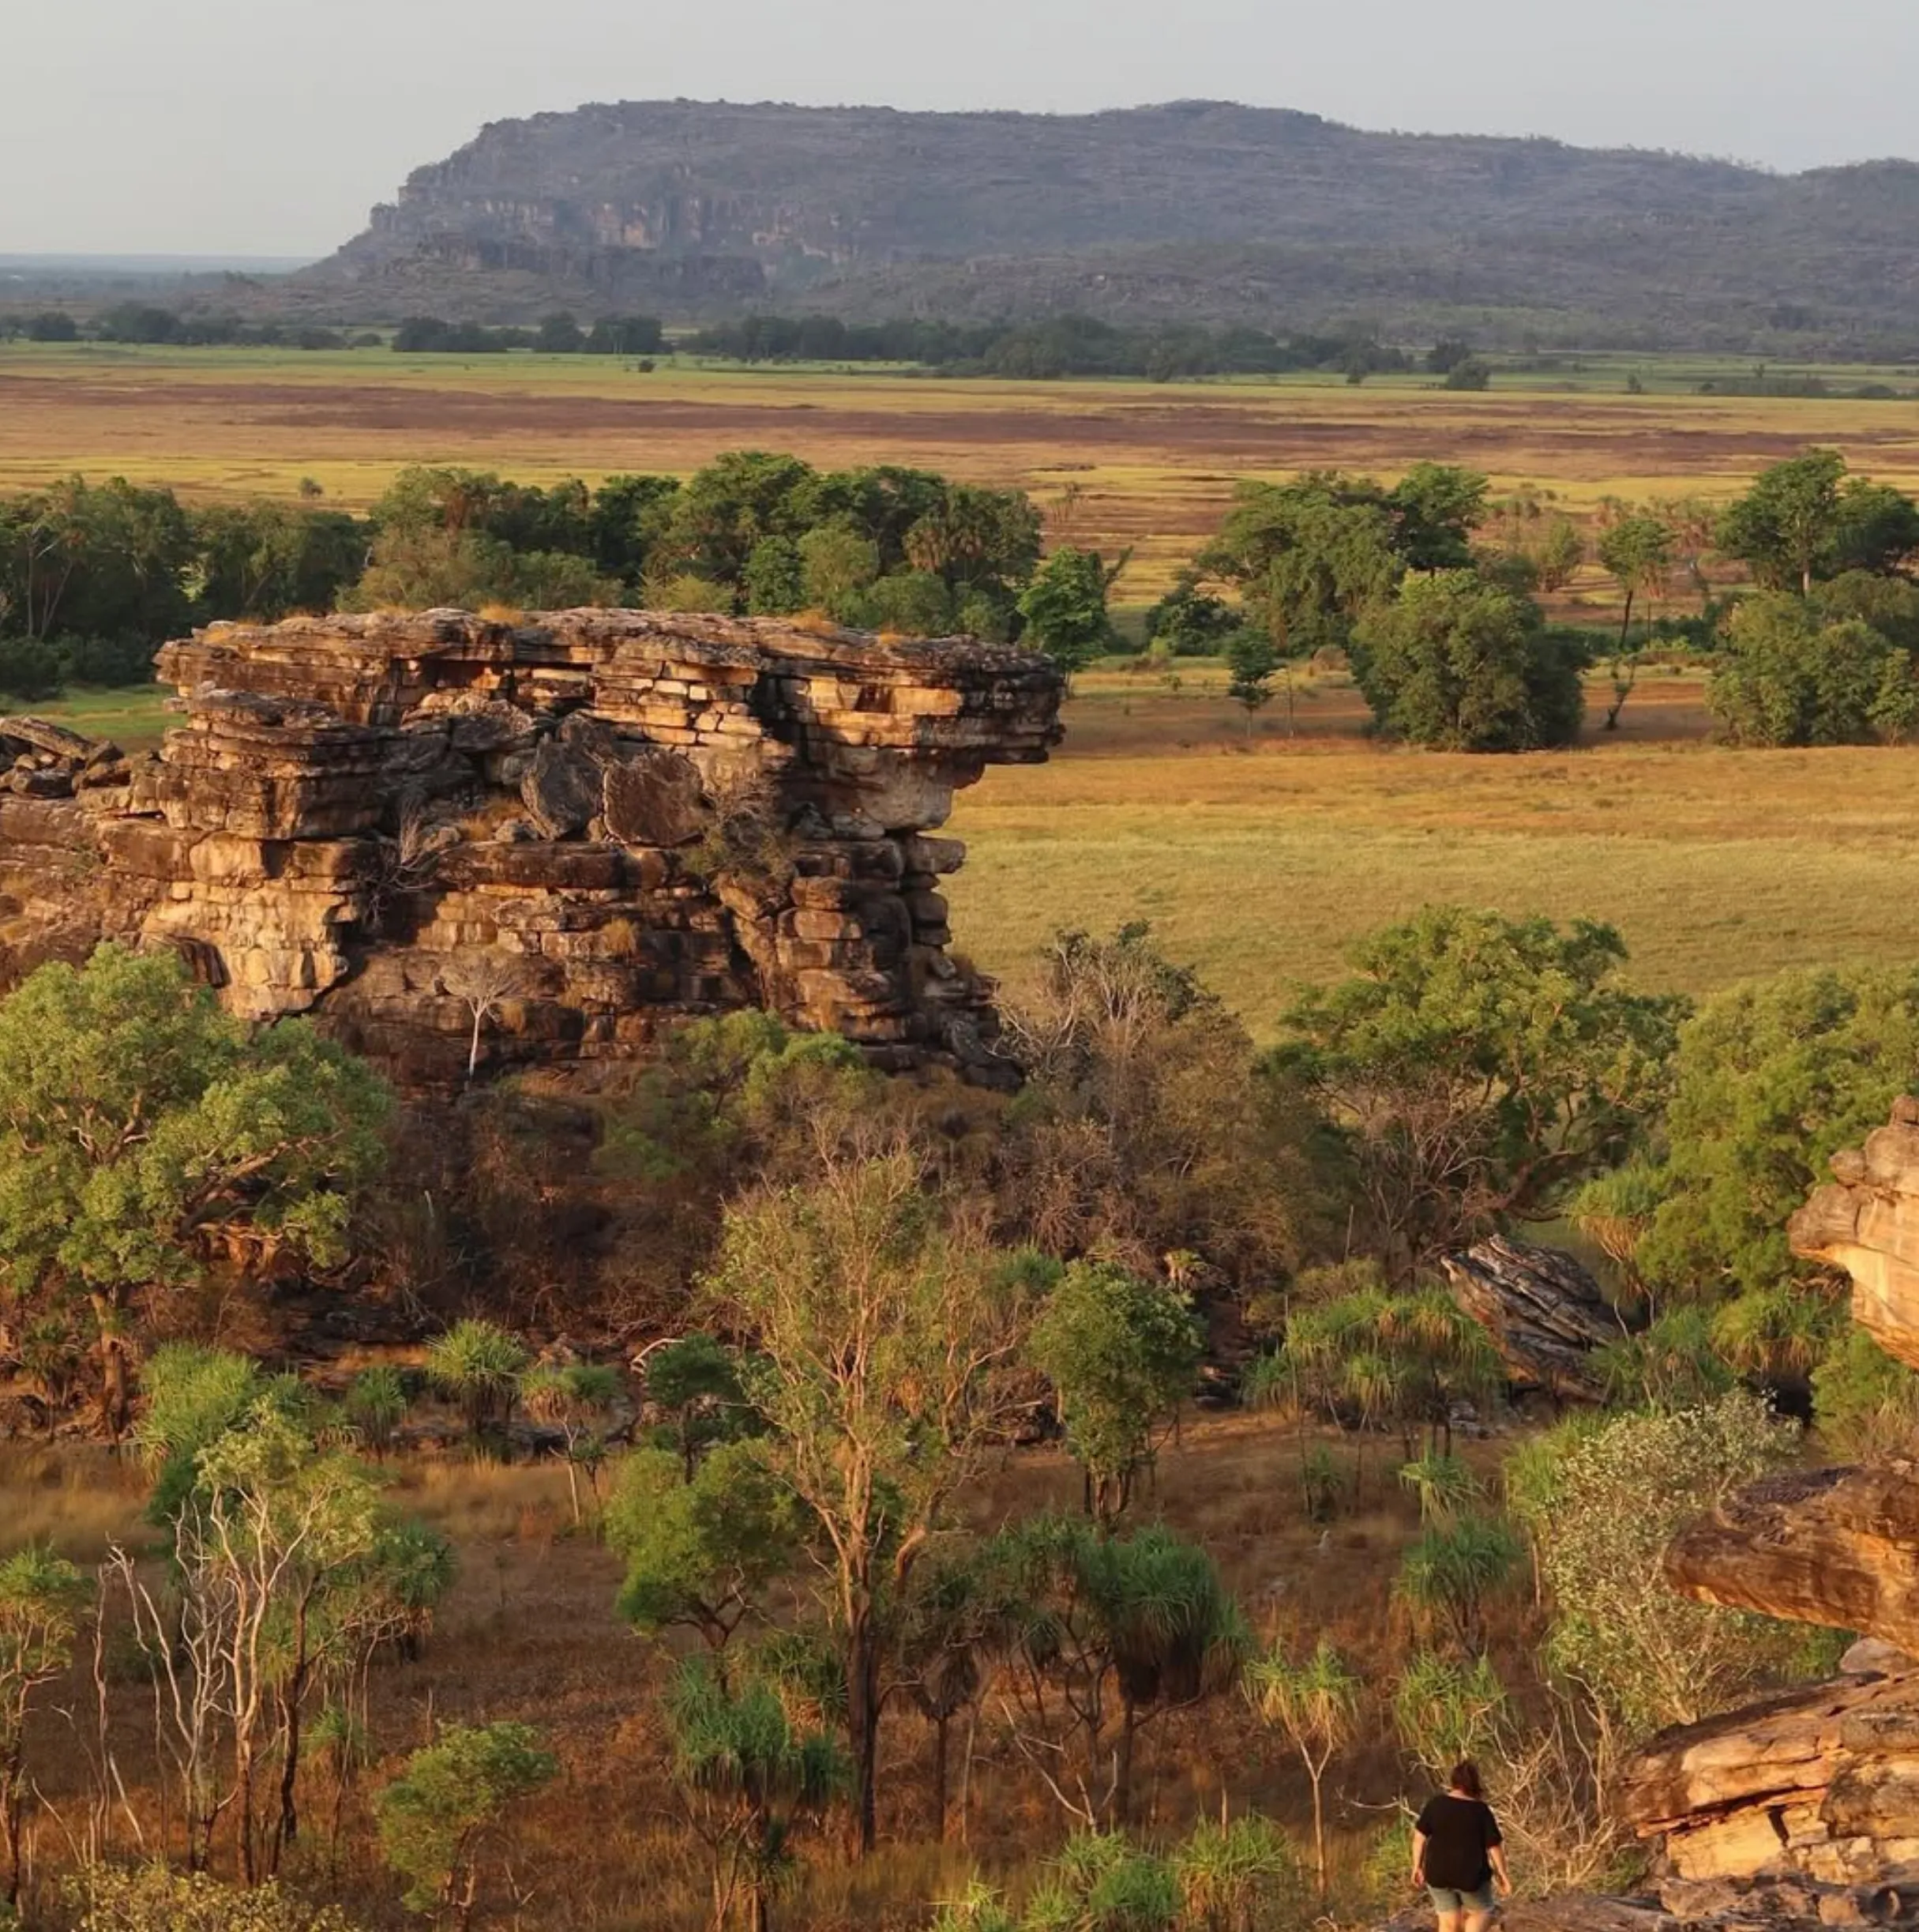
[(1638, 551), (1316, 1705), (888, 1337), (1065, 607), (573, 1398), (481, 1367), (484, 979), (437, 1818), (695, 1384), (1121, 1353), (1252, 660), (41, 1599)]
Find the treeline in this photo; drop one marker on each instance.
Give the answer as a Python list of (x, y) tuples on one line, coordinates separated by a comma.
[(94, 576), (1067, 345), (1445, 634), (146, 322), (558, 334)]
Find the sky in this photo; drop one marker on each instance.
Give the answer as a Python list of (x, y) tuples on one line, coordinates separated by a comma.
[(271, 126)]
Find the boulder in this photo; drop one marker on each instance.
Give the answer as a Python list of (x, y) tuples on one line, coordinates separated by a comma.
[(1866, 1223), (654, 798), (561, 762), (1543, 1311), (562, 788)]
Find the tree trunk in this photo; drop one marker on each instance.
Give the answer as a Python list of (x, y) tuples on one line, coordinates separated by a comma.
[(113, 1400), (942, 1726), (863, 1729), (1318, 1836), (12, 1811), (1122, 1781), (291, 1697), (473, 1050)]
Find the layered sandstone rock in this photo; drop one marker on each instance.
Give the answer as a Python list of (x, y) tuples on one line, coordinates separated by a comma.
[(1866, 1223), (633, 817), (1543, 1311)]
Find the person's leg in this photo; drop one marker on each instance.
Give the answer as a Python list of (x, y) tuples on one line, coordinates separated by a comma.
[(1449, 1921), (1474, 1920)]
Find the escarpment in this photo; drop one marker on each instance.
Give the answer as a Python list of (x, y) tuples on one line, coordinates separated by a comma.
[(579, 827)]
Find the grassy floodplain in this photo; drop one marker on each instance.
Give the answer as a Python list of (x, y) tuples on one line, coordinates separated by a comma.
[(1149, 465), (1260, 857)]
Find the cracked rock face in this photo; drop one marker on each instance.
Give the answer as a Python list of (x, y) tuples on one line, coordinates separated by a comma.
[(649, 817)]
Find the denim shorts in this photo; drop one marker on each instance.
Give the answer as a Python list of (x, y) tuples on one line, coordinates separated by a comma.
[(1445, 1901)]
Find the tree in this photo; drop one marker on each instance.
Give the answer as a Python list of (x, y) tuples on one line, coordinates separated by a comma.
[(1789, 677), (437, 1818), (558, 334), (887, 1335), (1451, 1570), (572, 1396), (701, 1552), (1252, 661), (1638, 551), (142, 1131), (1108, 1632), (1143, 1130), (1478, 1067), (1189, 623), (695, 1384), (1807, 519), (42, 1596), (1121, 1353), (1646, 1656), (749, 1779), (1770, 1080), (1558, 554), (1309, 556), (1435, 508), (1064, 608), (1445, 1708), (1457, 662), (1316, 1704), (480, 1366), (483, 979)]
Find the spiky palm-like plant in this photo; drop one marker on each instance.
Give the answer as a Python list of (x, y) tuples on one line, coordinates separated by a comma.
[(479, 1366), (1316, 1704), (750, 1781)]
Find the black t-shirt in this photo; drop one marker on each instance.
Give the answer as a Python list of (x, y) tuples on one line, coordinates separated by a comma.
[(1459, 1832)]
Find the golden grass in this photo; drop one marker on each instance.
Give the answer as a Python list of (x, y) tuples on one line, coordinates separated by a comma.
[(1261, 865), (1154, 464)]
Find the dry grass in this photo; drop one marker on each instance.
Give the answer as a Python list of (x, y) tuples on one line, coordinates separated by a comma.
[(1261, 862), (530, 1634), (1153, 464)]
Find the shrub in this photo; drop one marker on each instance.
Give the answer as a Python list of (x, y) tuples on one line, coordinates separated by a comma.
[(1791, 676), (436, 1818), (153, 1898), (1646, 1656), (1457, 662), (1866, 1405)]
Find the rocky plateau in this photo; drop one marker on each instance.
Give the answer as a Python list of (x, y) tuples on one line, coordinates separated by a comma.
[(581, 827)]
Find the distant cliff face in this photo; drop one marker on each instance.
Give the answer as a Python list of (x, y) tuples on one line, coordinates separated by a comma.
[(1202, 210)]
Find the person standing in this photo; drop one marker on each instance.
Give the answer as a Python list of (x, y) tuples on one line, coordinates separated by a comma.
[(1458, 1854)]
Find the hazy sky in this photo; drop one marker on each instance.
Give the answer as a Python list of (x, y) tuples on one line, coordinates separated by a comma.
[(270, 126)]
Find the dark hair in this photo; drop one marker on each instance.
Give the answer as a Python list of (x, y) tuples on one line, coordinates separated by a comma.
[(1464, 1776)]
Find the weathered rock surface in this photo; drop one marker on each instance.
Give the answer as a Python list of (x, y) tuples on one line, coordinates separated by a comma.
[(1543, 1311), (1866, 1223), (1714, 1905), (353, 802), (1838, 1547)]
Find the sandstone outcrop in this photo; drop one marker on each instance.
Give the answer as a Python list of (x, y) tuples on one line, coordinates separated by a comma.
[(1544, 1313), (630, 817), (1866, 1223)]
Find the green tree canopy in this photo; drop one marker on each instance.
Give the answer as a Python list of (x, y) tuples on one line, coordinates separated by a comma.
[(1458, 662), (140, 1126), (1478, 1067), (1064, 608), (1807, 519), (1769, 1079), (1121, 1353), (1789, 675)]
